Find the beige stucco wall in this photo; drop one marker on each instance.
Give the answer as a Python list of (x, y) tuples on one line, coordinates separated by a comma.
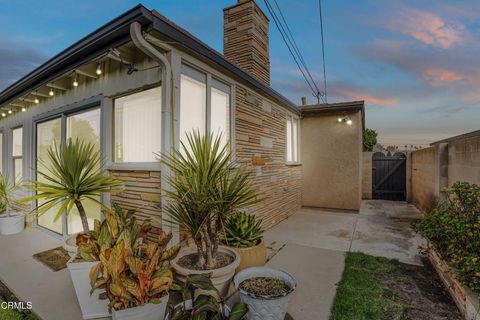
[(367, 175), (331, 154), (464, 160), (423, 178)]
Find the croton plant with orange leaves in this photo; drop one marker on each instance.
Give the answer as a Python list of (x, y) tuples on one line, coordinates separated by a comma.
[(131, 272)]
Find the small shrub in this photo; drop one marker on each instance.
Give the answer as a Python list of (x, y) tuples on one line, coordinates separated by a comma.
[(453, 229)]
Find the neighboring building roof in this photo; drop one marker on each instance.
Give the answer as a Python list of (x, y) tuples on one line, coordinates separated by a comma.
[(459, 137), (339, 107), (116, 33)]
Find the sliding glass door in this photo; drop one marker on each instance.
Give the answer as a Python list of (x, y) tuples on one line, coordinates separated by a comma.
[(84, 125)]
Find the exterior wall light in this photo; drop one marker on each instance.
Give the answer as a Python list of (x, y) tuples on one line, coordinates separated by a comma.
[(10, 111), (51, 93), (75, 82), (4, 114), (99, 69), (24, 109), (345, 119), (36, 100)]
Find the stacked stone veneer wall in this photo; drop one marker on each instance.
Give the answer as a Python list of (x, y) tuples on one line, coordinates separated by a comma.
[(142, 194), (260, 144)]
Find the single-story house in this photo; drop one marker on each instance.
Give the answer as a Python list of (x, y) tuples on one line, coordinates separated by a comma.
[(137, 84)]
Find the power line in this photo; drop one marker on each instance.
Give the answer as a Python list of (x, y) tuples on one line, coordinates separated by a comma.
[(323, 50), (296, 48), (293, 49)]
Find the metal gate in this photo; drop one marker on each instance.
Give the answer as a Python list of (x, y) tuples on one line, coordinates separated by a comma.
[(389, 176)]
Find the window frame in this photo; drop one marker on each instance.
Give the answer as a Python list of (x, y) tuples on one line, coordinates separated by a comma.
[(21, 157), (293, 118), (212, 81), (140, 166)]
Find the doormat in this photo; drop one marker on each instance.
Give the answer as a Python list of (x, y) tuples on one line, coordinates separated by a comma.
[(56, 259)]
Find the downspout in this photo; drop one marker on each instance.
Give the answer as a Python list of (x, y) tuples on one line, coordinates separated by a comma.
[(167, 109)]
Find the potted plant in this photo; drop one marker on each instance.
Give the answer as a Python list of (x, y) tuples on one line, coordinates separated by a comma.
[(266, 291), (243, 232), (74, 176), (11, 222), (136, 276), (116, 225), (206, 187), (203, 306)]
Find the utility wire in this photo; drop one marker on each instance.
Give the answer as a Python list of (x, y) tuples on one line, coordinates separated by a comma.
[(293, 49), (323, 51), (291, 38)]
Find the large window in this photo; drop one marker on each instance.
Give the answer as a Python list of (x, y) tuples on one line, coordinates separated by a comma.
[(17, 152), (292, 140), (204, 104), (138, 126)]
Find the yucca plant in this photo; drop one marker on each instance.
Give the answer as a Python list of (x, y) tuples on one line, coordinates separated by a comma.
[(7, 188), (71, 175), (242, 230), (206, 187), (131, 272)]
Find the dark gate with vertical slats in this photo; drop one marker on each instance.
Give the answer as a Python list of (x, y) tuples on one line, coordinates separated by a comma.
[(389, 176)]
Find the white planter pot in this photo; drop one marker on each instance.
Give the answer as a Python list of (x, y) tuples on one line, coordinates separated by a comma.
[(265, 308), (147, 312), (220, 277), (12, 223), (92, 307), (70, 244)]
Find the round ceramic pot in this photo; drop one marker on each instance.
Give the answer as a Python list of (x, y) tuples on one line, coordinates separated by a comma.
[(265, 307), (12, 223), (255, 256), (220, 277)]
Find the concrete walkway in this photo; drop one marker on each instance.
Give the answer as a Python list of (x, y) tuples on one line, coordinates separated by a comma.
[(311, 245)]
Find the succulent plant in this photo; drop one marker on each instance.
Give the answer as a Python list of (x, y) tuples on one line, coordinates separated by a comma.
[(204, 306), (242, 230)]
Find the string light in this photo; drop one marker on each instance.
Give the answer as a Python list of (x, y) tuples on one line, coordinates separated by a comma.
[(99, 69), (51, 93), (75, 81)]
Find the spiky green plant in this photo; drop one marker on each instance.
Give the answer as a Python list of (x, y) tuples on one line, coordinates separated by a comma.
[(206, 187), (242, 230), (72, 174), (7, 188)]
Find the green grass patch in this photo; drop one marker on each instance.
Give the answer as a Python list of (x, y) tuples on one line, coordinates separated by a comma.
[(359, 296)]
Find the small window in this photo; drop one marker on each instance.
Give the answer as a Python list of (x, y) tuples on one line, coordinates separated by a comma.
[(17, 152), (292, 140), (138, 126)]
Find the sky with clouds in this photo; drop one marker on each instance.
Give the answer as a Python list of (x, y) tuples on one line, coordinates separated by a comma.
[(415, 63)]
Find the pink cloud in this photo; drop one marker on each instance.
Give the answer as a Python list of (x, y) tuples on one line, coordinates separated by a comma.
[(353, 95), (427, 28), (438, 77)]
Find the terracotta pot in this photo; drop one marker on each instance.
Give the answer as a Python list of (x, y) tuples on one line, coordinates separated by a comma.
[(220, 277), (252, 256)]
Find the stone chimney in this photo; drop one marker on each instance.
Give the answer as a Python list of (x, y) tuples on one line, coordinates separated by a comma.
[(245, 38)]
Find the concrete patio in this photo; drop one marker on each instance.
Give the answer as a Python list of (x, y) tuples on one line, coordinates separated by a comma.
[(310, 245)]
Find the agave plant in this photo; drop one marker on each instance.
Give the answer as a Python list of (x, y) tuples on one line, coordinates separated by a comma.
[(206, 188), (242, 230), (74, 176), (203, 306), (131, 272), (7, 188)]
